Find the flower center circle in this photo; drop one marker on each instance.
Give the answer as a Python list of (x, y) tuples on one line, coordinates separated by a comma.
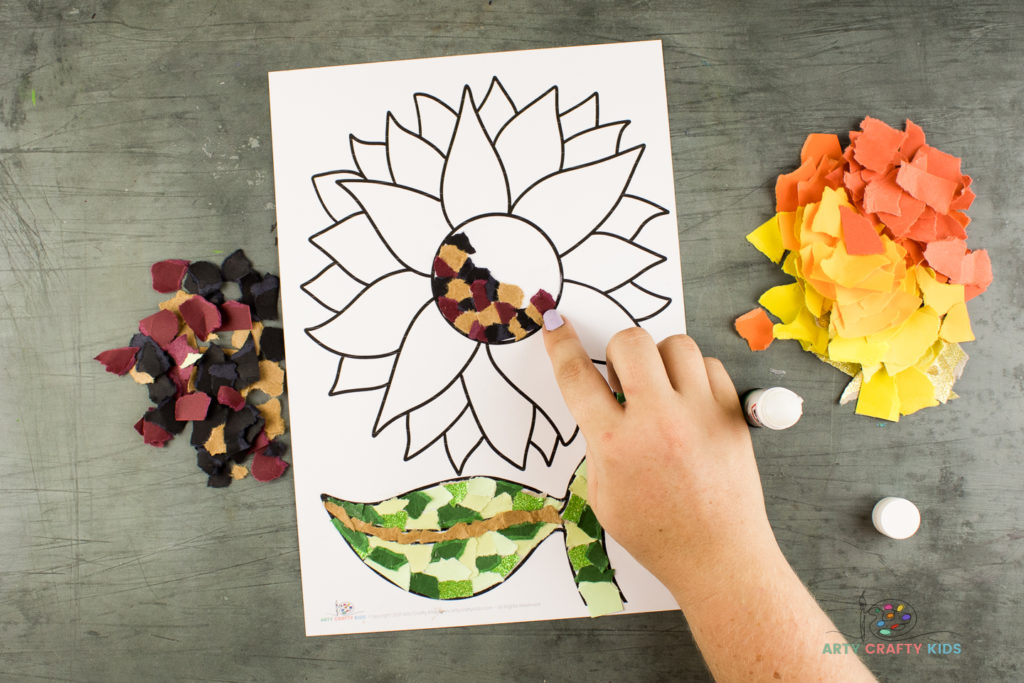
[(494, 278)]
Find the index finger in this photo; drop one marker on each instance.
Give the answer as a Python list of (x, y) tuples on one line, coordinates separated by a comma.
[(588, 396)]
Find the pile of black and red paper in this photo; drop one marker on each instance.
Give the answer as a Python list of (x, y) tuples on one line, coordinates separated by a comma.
[(202, 358)]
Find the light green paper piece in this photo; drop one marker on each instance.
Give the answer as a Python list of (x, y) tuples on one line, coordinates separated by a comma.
[(601, 598), (499, 504), (482, 582), (448, 570), (390, 506), (574, 536)]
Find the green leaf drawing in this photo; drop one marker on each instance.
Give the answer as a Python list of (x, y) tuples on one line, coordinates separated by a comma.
[(462, 537)]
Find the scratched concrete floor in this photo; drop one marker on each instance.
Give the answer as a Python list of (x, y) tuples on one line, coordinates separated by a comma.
[(133, 131)]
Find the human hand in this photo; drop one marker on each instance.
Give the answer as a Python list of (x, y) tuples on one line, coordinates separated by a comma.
[(671, 472)]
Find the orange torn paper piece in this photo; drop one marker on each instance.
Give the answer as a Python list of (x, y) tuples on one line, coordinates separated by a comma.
[(874, 237), (756, 327)]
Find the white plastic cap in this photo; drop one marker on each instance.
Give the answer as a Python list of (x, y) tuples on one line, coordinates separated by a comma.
[(896, 517), (779, 408)]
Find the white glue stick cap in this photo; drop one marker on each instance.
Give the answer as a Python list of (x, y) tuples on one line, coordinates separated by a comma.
[(896, 517), (776, 407)]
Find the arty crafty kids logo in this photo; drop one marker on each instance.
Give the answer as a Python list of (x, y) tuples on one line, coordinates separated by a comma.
[(893, 622)]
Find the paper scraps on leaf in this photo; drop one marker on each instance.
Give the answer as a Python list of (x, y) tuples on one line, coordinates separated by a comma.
[(465, 536), (875, 238)]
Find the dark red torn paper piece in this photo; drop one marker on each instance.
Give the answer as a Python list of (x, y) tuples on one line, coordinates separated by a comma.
[(542, 301), (161, 327), (155, 435), (267, 467), (192, 407), (230, 397), (118, 361), (202, 316), (181, 349), (167, 275), (235, 316)]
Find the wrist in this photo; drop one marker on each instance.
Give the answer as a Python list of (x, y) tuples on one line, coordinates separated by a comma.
[(717, 571)]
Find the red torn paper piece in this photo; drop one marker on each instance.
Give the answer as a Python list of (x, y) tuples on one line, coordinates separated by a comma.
[(155, 435), (877, 147), (201, 315), (161, 327), (883, 196), (192, 407), (230, 397), (267, 467), (180, 377), (235, 316), (118, 361), (946, 257), (756, 327), (180, 349), (542, 301), (858, 234), (167, 274), (933, 190), (979, 267), (261, 442), (913, 141)]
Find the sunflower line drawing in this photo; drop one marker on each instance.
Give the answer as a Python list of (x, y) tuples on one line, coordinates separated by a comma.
[(447, 244)]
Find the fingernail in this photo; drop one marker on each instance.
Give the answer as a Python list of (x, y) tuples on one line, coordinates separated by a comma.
[(552, 319)]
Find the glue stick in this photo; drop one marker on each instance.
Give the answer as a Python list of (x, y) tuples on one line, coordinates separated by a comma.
[(774, 408)]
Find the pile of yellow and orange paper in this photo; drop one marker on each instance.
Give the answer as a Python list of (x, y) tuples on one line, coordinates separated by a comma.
[(875, 238)]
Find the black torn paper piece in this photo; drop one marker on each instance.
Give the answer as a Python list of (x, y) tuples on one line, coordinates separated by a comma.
[(236, 266), (272, 344), (203, 278)]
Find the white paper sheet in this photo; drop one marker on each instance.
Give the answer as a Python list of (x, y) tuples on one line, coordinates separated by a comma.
[(556, 166)]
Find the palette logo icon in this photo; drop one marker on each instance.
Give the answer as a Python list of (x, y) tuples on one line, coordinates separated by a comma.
[(891, 619), (342, 608)]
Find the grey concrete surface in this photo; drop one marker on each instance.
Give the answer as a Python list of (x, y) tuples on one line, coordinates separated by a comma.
[(136, 131)]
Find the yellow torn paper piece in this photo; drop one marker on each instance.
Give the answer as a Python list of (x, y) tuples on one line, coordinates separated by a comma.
[(915, 391), (879, 398), (956, 326), (784, 301), (912, 340), (767, 239)]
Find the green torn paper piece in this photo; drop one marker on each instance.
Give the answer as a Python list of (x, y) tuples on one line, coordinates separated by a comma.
[(521, 532), (507, 564), (395, 520), (588, 523), (524, 501), (455, 589), (601, 598), (597, 555), (591, 574), (511, 488), (450, 515), (574, 508), (458, 490), (578, 557), (388, 559), (487, 563), (359, 542), (418, 502), (444, 550), (426, 585), (361, 512)]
